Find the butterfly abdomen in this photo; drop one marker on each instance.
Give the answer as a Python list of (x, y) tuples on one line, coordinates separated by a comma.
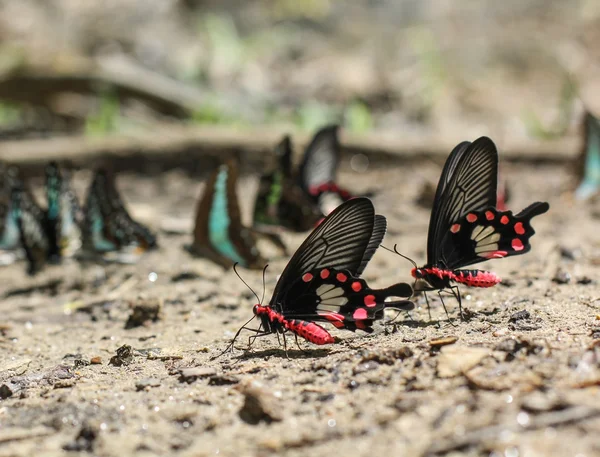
[(309, 331), (475, 278)]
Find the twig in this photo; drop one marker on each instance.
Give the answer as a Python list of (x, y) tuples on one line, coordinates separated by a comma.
[(216, 141)]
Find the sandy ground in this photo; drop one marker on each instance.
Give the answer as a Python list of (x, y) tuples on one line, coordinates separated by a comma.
[(521, 379)]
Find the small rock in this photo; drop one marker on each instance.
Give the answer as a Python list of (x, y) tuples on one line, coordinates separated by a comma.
[(561, 277), (96, 360), (64, 383), (8, 390), (538, 402), (519, 315), (185, 276), (585, 280), (191, 374), (222, 380), (146, 383), (123, 358), (455, 360), (260, 405), (365, 367), (84, 441), (387, 356), (445, 341), (144, 311)]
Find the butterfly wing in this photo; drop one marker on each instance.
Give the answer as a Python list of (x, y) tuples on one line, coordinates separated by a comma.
[(590, 158), (379, 229), (30, 220), (130, 231), (492, 234), (9, 231), (219, 233), (340, 241), (283, 154), (468, 183), (321, 159), (338, 297), (64, 216), (97, 236)]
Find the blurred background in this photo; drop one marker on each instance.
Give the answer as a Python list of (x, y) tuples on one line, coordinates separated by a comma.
[(431, 68)]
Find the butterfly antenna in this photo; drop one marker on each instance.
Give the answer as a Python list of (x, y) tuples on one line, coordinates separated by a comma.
[(238, 275), (264, 283), (395, 250)]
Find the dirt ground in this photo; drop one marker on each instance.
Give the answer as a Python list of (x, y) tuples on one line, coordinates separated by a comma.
[(521, 379)]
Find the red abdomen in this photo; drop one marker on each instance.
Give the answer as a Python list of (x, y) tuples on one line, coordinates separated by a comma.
[(475, 278), (309, 331)]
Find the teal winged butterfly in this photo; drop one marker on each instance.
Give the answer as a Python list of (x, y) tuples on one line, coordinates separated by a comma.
[(10, 245), (280, 203), (218, 232), (31, 224), (109, 230), (589, 167), (64, 216)]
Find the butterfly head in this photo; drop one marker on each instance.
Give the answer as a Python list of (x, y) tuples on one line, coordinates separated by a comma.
[(417, 273)]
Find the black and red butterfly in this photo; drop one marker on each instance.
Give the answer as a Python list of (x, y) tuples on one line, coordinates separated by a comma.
[(317, 174), (321, 281), (465, 227)]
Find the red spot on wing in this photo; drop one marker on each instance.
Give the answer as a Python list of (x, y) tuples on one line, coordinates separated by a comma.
[(455, 228), (519, 229), (471, 217), (356, 286), (489, 215), (504, 220), (495, 255), (341, 277), (307, 277), (370, 300), (324, 274), (517, 244), (360, 314), (360, 324)]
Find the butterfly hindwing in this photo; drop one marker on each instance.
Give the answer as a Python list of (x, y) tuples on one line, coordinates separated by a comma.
[(491, 234), (338, 297), (468, 183)]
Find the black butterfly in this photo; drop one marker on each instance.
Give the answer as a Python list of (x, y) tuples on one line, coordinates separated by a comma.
[(218, 233), (317, 174), (108, 228), (321, 281), (465, 227), (280, 202), (64, 216)]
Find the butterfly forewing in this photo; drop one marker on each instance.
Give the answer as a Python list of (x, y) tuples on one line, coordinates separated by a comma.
[(321, 159), (339, 242), (468, 183)]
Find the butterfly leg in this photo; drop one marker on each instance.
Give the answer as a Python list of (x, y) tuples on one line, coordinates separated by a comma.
[(298, 344), (445, 309), (287, 356), (456, 292)]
